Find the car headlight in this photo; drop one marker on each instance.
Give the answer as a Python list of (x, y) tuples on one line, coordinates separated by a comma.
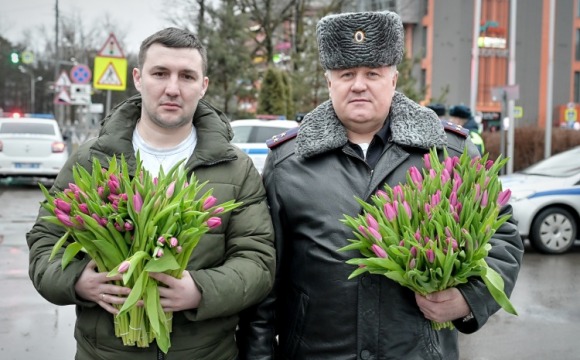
[(521, 195)]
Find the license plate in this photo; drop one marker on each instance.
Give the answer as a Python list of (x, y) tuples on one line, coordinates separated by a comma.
[(26, 165)]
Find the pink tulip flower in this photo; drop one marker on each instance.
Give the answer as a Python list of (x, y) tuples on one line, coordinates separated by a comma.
[(84, 208), (375, 234), (504, 197), (170, 190), (372, 222), (62, 205), (125, 265), (63, 217), (173, 242), (427, 161), (214, 222), (209, 202), (137, 202), (379, 251)]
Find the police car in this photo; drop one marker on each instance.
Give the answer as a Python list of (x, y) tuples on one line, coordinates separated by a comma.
[(31, 147), (546, 201), (250, 135)]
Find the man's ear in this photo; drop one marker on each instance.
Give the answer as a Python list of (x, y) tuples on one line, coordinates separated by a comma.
[(395, 78), (137, 79)]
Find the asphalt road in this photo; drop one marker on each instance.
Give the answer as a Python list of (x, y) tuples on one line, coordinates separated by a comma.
[(546, 297)]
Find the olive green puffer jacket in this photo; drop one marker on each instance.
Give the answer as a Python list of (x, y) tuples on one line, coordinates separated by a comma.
[(233, 265)]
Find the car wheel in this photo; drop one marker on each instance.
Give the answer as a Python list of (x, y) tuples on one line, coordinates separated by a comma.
[(553, 231)]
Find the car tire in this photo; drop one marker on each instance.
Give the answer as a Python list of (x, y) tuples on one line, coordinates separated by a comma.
[(553, 231)]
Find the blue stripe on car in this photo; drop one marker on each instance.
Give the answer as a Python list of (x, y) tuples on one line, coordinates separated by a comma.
[(256, 151), (572, 191)]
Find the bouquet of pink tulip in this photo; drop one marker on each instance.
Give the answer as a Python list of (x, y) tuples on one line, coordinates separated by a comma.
[(433, 232), (133, 226)]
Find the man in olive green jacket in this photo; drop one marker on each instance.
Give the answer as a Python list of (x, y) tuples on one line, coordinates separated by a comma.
[(233, 264)]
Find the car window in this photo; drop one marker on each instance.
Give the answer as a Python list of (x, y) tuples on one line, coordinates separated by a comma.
[(242, 134), (263, 133), (26, 128), (566, 163)]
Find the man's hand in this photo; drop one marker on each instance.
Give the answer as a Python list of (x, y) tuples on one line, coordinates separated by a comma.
[(177, 294), (442, 306), (95, 286)]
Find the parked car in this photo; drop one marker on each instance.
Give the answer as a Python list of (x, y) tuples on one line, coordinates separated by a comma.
[(546, 201), (31, 147), (250, 135)]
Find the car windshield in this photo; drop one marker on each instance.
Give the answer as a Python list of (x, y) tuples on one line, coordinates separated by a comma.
[(255, 134), (26, 128), (564, 164)]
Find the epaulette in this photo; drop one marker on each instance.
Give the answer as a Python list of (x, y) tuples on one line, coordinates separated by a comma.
[(454, 128), (282, 138)]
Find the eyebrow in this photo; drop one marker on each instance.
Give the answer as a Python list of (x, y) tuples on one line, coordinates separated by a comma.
[(164, 68)]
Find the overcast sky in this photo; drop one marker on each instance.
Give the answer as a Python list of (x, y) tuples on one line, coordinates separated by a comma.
[(140, 18)]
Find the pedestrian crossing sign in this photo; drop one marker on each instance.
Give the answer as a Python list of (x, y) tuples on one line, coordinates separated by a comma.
[(110, 73)]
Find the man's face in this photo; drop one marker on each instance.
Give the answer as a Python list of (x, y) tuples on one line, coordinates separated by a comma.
[(362, 97), (171, 83)]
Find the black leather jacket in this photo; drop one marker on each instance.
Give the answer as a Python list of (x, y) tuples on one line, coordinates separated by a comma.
[(314, 310)]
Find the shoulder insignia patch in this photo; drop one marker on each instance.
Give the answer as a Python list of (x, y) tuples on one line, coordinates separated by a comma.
[(282, 138), (454, 128)]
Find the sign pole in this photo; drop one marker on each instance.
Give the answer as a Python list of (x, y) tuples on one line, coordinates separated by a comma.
[(108, 106), (511, 82)]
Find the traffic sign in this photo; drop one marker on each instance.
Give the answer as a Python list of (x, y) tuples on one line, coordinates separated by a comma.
[(27, 57), (80, 74), (110, 74), (62, 97), (110, 67), (80, 94), (518, 112), (63, 80), (111, 48)]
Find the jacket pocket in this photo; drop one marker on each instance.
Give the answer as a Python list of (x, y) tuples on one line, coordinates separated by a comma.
[(296, 310), (430, 340)]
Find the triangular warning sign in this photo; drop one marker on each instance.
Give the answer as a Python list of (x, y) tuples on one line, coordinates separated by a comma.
[(62, 97), (63, 80), (111, 48), (110, 76)]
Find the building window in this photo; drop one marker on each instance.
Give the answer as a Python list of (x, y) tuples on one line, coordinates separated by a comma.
[(577, 44), (577, 87)]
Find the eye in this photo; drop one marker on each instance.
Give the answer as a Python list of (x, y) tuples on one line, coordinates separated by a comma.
[(188, 77), (346, 75), (158, 74)]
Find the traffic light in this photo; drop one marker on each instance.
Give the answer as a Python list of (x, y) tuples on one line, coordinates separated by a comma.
[(14, 57)]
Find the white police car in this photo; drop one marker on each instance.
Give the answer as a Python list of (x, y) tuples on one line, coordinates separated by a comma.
[(250, 135), (31, 147), (546, 201)]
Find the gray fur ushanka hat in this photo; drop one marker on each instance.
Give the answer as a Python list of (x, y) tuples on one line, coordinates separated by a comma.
[(370, 39)]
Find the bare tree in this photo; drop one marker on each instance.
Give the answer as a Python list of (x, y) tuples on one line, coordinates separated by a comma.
[(268, 15)]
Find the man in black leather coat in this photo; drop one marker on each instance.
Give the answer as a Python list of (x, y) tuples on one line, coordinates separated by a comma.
[(367, 135)]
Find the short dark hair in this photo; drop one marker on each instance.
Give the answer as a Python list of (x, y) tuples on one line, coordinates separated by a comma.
[(172, 37)]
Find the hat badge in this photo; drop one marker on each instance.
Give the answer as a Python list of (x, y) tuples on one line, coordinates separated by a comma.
[(359, 36)]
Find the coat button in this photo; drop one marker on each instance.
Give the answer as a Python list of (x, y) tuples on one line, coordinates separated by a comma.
[(365, 354), (366, 280)]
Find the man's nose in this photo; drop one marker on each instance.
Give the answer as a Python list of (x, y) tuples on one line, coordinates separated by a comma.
[(172, 85), (359, 83)]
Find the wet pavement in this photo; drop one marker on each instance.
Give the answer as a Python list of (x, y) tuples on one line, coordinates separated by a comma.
[(547, 297)]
